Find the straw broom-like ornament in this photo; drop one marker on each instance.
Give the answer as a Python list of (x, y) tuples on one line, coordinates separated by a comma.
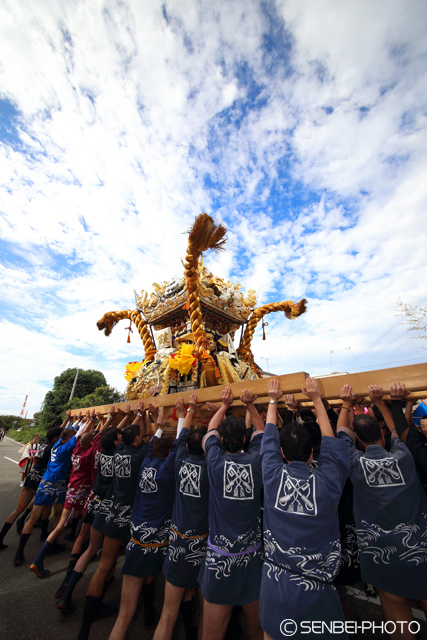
[(110, 319), (291, 310), (203, 235)]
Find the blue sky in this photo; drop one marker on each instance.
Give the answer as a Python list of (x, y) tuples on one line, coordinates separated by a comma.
[(301, 126)]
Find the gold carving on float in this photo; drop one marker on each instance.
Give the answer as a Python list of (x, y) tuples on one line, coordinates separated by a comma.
[(198, 309)]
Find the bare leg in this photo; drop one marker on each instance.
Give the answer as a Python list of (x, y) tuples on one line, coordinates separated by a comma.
[(35, 515), (109, 555), (60, 527), (58, 511), (397, 609), (65, 592), (253, 624), (171, 604), (129, 600), (37, 566), (215, 620), (95, 542), (81, 538), (202, 603), (26, 496)]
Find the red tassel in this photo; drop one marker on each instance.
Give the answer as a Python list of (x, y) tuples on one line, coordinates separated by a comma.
[(264, 324), (129, 328)]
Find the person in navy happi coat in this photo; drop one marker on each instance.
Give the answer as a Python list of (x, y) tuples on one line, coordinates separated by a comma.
[(231, 571), (301, 530), (390, 509)]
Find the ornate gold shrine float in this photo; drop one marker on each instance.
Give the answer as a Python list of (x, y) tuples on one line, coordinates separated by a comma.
[(188, 325)]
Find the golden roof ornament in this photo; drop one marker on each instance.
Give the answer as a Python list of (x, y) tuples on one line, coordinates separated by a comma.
[(187, 325)]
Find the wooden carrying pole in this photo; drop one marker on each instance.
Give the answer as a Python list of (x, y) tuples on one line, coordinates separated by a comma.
[(414, 376)]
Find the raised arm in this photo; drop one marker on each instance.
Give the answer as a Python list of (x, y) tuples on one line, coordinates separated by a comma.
[(348, 398), (248, 399), (398, 392), (192, 406), (180, 412), (376, 395), (275, 394), (218, 417), (312, 391)]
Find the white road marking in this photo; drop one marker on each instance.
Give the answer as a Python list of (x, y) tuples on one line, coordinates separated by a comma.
[(11, 459)]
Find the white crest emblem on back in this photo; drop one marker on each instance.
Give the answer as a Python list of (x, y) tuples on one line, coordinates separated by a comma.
[(382, 473), (148, 482), (189, 479), (297, 496), (122, 466), (106, 466), (238, 481)]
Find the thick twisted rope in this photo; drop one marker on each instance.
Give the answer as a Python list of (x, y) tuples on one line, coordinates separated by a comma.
[(291, 310), (204, 235), (110, 319)]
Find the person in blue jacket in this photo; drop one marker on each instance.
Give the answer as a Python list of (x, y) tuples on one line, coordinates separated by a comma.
[(189, 530), (390, 510), (231, 571), (150, 523), (301, 530), (52, 488)]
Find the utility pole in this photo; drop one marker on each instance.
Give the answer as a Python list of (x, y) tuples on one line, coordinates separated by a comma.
[(74, 386)]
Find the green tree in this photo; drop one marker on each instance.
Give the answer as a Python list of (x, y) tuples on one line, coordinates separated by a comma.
[(56, 400), (101, 396)]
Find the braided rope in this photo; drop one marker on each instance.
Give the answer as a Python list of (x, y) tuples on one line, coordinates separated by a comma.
[(291, 310), (110, 319), (193, 300)]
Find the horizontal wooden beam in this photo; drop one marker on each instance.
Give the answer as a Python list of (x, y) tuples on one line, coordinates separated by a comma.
[(289, 383), (414, 376)]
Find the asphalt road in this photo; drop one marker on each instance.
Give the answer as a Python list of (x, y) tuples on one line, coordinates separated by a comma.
[(28, 608)]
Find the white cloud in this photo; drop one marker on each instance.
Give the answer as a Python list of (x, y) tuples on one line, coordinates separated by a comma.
[(302, 127)]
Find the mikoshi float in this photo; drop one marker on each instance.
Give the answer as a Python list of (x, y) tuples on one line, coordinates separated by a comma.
[(189, 327)]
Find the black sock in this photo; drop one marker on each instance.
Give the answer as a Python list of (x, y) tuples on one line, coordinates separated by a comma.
[(19, 555), (147, 592), (45, 525), (23, 541), (5, 529), (21, 521), (187, 613), (73, 561), (92, 604), (72, 582), (73, 528)]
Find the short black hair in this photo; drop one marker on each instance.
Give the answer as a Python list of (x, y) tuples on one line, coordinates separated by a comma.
[(315, 432), (161, 447), (55, 432), (109, 437), (377, 413), (130, 433), (296, 443), (232, 431), (67, 434), (307, 415), (367, 428), (194, 441)]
